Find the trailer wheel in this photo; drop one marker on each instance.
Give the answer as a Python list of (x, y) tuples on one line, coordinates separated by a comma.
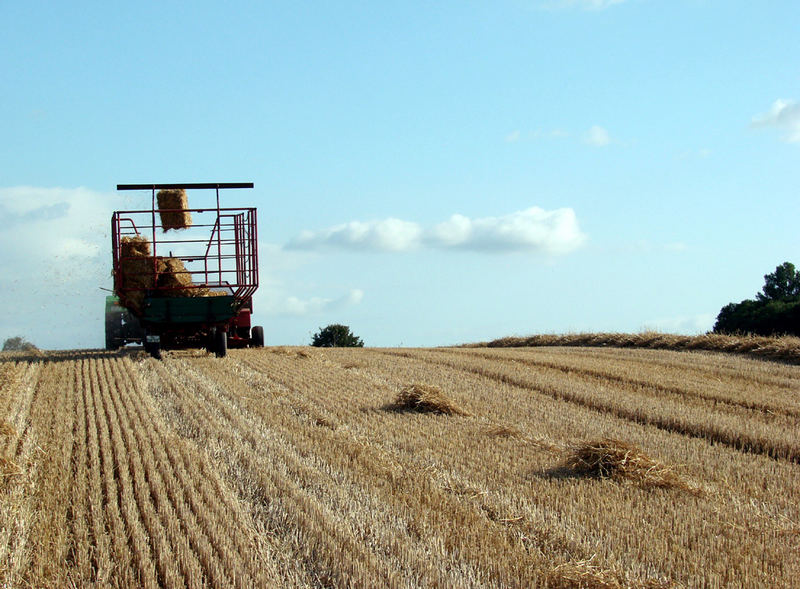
[(153, 348), (221, 343), (257, 339)]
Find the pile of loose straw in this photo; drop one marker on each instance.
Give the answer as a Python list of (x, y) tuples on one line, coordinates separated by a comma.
[(426, 399)]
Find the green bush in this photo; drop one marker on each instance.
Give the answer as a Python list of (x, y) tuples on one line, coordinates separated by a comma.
[(18, 344), (336, 336)]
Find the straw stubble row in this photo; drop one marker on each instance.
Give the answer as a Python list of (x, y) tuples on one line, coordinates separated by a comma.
[(306, 468)]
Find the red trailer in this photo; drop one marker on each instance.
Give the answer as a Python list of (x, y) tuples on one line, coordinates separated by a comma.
[(193, 286)]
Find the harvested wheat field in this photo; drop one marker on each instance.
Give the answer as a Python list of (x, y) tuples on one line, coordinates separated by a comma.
[(469, 467)]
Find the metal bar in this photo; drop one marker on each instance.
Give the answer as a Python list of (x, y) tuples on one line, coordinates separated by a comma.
[(190, 186), (239, 245), (115, 248), (201, 210), (254, 250), (155, 254), (219, 237)]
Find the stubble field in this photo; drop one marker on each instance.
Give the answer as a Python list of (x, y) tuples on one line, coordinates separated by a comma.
[(298, 467)]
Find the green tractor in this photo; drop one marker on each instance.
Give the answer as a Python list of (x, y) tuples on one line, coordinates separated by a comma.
[(122, 327)]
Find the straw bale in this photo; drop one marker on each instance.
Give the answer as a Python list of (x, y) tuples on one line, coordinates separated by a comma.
[(135, 246), (426, 399), (137, 271), (174, 219), (173, 276)]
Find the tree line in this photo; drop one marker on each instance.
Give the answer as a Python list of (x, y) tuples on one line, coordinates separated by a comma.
[(774, 311)]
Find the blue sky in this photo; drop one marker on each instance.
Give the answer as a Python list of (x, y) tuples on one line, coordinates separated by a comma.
[(427, 173)]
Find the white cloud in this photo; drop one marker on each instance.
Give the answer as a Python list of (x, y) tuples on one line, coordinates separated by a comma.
[(513, 136), (387, 234), (532, 230), (784, 115), (596, 136), (683, 324), (677, 246), (56, 256), (291, 305), (283, 274)]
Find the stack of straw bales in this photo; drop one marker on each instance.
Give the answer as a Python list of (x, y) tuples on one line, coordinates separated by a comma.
[(136, 267), (174, 199), (141, 272)]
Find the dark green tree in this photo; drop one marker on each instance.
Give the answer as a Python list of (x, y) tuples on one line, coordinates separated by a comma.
[(781, 285), (18, 344), (775, 311), (336, 336)]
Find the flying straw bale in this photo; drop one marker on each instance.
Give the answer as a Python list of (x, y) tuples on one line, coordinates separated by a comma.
[(178, 217), (425, 399)]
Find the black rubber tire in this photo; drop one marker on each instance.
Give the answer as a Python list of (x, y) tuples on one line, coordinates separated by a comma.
[(110, 344), (257, 337), (153, 348), (113, 334), (221, 343)]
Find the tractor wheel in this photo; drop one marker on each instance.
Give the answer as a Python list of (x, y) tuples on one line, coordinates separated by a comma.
[(221, 343), (113, 329), (257, 339), (152, 348)]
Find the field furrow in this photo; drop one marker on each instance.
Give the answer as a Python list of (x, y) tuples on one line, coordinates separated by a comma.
[(52, 415), (18, 471), (669, 380), (202, 527), (744, 433), (237, 432)]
